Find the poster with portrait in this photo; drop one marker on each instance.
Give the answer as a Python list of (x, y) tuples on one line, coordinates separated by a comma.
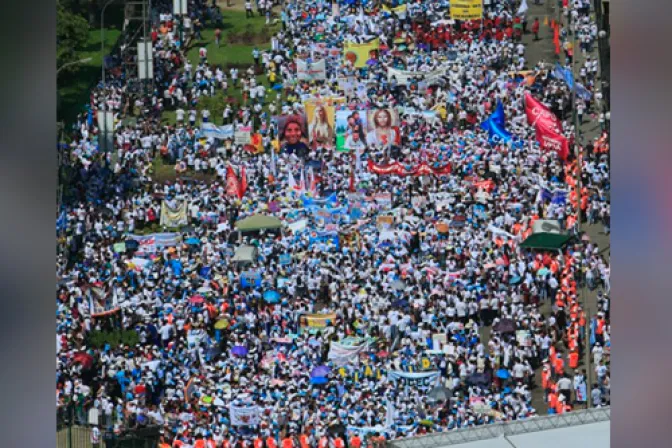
[(350, 130), (292, 134), (383, 128), (321, 124)]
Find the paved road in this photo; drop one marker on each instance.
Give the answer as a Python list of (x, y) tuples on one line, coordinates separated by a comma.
[(543, 51)]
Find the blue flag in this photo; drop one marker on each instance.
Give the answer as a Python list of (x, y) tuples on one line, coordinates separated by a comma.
[(582, 92), (546, 195), (496, 131), (498, 115), (559, 197), (565, 74)]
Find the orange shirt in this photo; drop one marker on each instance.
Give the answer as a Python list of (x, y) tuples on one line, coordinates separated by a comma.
[(287, 442), (355, 442), (574, 360), (270, 442), (558, 365), (303, 441)]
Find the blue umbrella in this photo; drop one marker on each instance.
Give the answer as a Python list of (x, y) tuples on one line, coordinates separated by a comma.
[(271, 296), (193, 241), (503, 374), (318, 380), (514, 280), (239, 350)]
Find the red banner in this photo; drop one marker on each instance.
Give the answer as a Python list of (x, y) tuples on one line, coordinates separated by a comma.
[(398, 169), (551, 140)]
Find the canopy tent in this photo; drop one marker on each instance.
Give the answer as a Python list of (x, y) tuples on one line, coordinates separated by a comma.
[(546, 241), (245, 254), (258, 222)]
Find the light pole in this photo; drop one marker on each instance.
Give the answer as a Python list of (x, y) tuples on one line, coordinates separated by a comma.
[(102, 40), (81, 61)]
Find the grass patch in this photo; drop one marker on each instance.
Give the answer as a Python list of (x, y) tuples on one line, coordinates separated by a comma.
[(164, 172), (74, 88), (239, 37)]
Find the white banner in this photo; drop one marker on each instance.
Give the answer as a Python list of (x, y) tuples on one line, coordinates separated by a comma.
[(210, 130), (244, 415), (414, 378), (343, 353), (403, 76), (311, 71)]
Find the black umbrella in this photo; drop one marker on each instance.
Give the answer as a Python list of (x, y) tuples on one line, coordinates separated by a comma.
[(336, 429), (478, 379), (505, 326)]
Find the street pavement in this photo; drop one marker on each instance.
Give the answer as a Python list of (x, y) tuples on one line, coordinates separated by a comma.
[(543, 50)]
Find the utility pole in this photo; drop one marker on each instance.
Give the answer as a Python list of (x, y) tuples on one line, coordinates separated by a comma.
[(589, 385), (577, 125)]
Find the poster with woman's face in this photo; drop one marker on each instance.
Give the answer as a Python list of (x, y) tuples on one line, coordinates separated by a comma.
[(383, 128), (350, 129), (293, 133), (321, 125)]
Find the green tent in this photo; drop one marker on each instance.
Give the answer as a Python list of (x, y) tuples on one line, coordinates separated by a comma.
[(546, 241), (258, 222)]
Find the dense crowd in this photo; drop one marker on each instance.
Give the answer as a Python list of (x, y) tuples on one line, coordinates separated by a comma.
[(358, 330)]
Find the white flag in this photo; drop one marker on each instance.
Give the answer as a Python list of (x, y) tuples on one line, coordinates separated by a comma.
[(522, 9)]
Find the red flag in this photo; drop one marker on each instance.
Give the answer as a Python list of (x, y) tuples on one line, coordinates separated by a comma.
[(352, 181), (537, 113), (232, 184), (556, 38), (243, 183)]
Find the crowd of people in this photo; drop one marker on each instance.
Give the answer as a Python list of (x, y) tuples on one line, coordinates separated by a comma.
[(383, 305)]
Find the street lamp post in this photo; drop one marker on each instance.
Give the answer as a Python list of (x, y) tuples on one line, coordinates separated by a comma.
[(102, 40), (81, 61)]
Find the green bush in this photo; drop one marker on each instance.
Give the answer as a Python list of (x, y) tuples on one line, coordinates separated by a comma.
[(98, 339)]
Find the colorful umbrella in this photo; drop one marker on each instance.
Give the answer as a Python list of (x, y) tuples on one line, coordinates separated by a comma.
[(222, 324), (197, 299)]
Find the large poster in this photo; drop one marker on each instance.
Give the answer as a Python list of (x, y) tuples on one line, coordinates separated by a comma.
[(358, 54), (293, 133), (311, 71), (466, 9), (383, 128), (321, 124), (350, 130)]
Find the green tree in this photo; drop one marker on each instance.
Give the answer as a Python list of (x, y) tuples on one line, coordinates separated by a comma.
[(72, 31)]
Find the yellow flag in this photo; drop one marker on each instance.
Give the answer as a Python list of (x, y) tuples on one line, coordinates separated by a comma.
[(546, 20)]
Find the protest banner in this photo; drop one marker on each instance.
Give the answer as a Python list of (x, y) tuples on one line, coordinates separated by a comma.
[(403, 76), (466, 9), (210, 130), (318, 320), (244, 415), (358, 54), (173, 217), (311, 71), (424, 379)]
